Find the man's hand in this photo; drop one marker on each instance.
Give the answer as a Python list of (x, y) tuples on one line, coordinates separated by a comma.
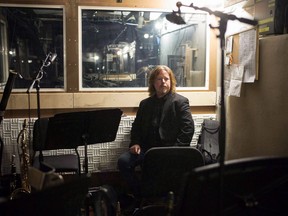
[(135, 149)]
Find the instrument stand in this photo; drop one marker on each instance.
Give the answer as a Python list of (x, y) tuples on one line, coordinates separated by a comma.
[(47, 62)]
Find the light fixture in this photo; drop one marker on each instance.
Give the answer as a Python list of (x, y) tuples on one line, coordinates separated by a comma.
[(175, 16)]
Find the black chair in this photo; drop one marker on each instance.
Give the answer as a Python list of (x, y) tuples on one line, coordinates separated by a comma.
[(162, 175), (250, 186), (64, 163)]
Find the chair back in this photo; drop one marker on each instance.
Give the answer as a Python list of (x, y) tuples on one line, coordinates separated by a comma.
[(42, 141), (164, 167), (39, 134), (45, 138)]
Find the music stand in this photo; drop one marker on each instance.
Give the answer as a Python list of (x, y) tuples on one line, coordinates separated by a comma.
[(83, 128)]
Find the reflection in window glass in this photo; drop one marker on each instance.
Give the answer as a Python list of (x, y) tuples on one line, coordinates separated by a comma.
[(119, 48), (33, 35)]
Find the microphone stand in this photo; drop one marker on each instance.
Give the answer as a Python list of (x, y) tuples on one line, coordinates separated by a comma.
[(36, 82), (224, 18)]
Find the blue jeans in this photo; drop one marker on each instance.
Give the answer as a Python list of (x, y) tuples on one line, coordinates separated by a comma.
[(127, 163)]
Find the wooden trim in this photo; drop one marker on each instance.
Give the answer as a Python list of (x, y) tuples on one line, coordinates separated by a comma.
[(90, 100), (97, 100)]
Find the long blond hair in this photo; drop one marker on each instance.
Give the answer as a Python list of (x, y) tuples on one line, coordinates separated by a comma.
[(154, 73)]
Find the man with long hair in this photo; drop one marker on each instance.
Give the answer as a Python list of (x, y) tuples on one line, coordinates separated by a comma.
[(163, 119)]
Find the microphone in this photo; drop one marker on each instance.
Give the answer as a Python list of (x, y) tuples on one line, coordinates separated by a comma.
[(175, 16), (51, 58)]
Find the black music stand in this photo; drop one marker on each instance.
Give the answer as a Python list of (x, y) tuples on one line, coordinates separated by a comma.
[(83, 128)]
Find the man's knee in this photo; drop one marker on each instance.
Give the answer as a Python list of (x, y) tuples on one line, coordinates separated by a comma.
[(123, 161)]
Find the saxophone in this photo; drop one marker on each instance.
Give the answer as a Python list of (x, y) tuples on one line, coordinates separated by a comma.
[(23, 141)]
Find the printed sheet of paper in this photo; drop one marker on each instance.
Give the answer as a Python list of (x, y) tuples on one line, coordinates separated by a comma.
[(247, 54), (233, 80)]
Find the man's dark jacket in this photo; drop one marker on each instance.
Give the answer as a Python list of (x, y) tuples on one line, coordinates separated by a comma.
[(176, 125)]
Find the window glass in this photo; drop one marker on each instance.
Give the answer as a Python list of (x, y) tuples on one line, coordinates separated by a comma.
[(120, 47), (3, 54), (35, 45)]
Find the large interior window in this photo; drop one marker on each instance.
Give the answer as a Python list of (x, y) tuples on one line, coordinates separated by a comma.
[(35, 34), (120, 47)]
